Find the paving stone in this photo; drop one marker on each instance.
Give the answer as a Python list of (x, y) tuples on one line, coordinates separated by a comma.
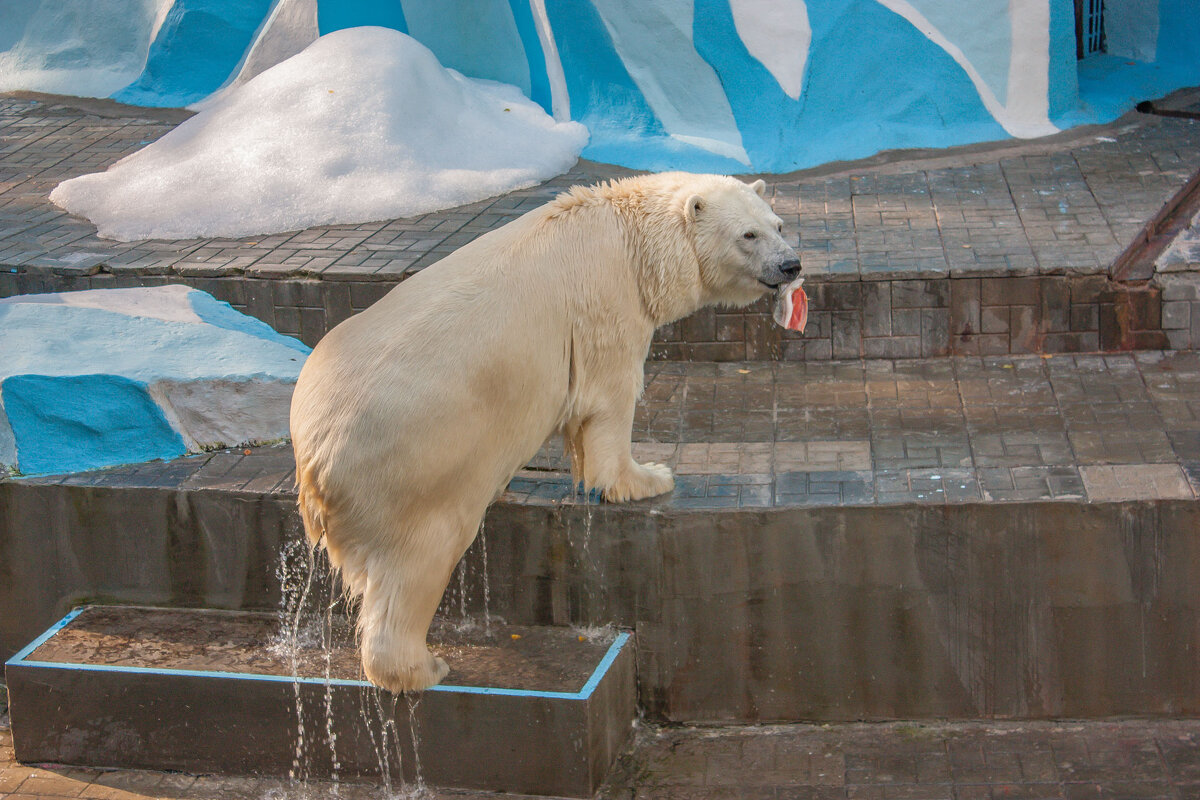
[(1001, 224), (1108, 483), (1031, 483), (1101, 429)]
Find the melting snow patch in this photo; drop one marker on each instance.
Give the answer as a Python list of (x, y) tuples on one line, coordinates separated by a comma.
[(116, 376), (363, 124)]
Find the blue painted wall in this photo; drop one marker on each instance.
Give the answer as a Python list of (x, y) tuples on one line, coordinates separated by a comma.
[(1064, 68), (603, 95), (873, 79), (849, 108), (199, 45), (353, 13), (134, 345), (55, 423)]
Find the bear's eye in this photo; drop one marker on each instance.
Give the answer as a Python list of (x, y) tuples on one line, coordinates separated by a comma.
[(779, 227), (748, 235)]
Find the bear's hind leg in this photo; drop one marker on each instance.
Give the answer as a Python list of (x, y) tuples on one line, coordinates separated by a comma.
[(402, 593)]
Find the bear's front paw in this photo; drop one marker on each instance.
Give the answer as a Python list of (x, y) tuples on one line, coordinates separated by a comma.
[(397, 676), (639, 482)]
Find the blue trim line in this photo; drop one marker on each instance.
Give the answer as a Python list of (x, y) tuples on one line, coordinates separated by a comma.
[(41, 640), (583, 694), (602, 667)]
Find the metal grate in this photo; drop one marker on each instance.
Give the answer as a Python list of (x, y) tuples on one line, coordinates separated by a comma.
[(1093, 27)]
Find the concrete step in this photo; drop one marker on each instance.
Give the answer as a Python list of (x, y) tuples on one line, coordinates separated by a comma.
[(998, 248), (950, 538), (524, 710)]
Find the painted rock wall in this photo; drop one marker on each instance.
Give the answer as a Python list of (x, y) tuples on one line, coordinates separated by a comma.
[(722, 85), (116, 376)]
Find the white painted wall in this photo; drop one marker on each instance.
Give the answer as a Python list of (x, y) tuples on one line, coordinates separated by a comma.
[(777, 33), (86, 48)]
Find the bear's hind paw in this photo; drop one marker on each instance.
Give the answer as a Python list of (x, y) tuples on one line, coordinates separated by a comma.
[(397, 677)]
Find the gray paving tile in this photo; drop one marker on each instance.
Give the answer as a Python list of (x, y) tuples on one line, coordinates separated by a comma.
[(1070, 208), (764, 434)]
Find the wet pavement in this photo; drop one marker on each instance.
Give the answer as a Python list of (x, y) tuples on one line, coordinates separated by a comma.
[(1101, 760), (1077, 428)]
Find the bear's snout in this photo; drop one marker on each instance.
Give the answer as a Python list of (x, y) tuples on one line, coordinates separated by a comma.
[(783, 272)]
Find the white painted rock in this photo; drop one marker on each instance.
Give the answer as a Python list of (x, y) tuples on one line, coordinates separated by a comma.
[(116, 376)]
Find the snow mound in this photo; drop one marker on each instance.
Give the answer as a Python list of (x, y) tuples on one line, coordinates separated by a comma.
[(116, 376), (363, 124)]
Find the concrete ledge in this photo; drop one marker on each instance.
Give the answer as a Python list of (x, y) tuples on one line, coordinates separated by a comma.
[(95, 712), (1025, 610)]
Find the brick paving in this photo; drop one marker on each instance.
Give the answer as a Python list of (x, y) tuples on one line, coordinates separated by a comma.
[(1069, 204), (1102, 760), (991, 249), (1083, 428)]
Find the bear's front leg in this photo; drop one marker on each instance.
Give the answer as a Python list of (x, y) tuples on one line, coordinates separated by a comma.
[(601, 449)]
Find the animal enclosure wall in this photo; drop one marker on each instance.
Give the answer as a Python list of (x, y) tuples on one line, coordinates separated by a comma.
[(705, 85)]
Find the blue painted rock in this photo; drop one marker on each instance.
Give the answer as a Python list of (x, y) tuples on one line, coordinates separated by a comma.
[(116, 376)]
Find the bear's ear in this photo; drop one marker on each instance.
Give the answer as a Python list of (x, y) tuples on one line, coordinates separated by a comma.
[(759, 187), (695, 204)]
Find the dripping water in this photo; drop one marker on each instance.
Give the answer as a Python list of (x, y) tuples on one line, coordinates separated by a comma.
[(414, 700), (309, 629), (327, 646), (591, 569), (470, 586), (462, 588), (378, 744), (295, 596), (390, 733), (487, 589)]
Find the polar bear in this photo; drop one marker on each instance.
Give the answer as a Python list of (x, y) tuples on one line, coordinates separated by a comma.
[(411, 417)]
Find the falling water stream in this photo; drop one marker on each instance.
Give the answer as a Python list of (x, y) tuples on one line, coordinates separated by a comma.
[(469, 585), (296, 582), (308, 630), (327, 646), (462, 588), (487, 587), (591, 573)]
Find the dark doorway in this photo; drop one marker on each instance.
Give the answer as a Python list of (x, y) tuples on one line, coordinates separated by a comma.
[(1089, 27)]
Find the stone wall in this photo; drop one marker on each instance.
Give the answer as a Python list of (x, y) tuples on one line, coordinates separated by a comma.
[(980, 610), (900, 318)]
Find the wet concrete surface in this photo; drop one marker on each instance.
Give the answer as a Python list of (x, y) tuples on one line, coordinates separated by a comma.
[(493, 655)]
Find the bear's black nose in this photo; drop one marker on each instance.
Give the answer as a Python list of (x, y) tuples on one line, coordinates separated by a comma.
[(790, 268)]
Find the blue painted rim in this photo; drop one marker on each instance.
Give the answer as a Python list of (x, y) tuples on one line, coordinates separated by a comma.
[(21, 660)]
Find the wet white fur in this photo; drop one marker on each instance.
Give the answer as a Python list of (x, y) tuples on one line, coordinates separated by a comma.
[(411, 417)]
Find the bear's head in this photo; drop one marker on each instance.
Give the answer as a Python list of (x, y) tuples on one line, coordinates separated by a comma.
[(738, 241)]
